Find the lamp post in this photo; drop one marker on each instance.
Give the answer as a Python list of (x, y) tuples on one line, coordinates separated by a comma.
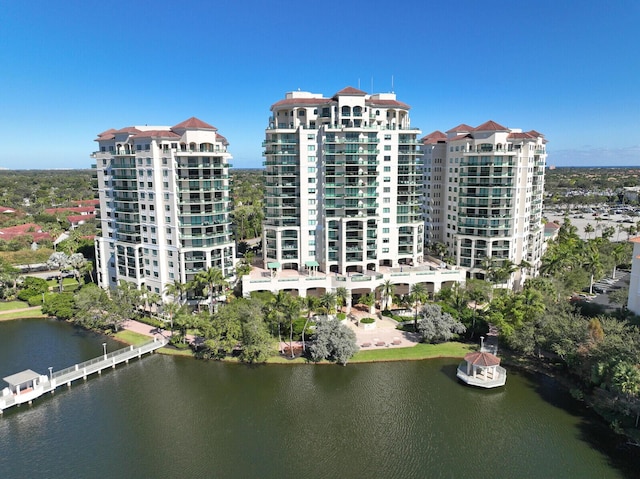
[(50, 373), (104, 348)]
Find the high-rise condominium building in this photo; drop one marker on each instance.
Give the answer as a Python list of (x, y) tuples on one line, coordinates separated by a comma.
[(343, 185), (483, 197), (343, 197), (164, 204)]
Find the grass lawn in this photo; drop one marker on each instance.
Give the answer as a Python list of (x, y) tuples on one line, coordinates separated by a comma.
[(419, 351), (130, 337), (26, 313), (9, 305), (175, 352)]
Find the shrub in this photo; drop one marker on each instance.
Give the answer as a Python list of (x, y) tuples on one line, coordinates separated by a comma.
[(341, 316), (35, 300), (368, 320)]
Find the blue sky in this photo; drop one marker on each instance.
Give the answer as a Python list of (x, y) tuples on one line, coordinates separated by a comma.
[(72, 69)]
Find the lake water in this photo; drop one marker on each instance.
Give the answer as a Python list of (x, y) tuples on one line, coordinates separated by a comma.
[(170, 417)]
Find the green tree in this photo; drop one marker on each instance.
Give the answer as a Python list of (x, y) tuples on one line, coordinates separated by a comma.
[(436, 326), (212, 280), (177, 290), (342, 294), (418, 294), (59, 305), (328, 303), (334, 341), (387, 291), (256, 342), (592, 264)]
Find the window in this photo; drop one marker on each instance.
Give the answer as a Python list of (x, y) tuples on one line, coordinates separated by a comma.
[(311, 147), (312, 212), (311, 169), (312, 201), (385, 230), (386, 220), (387, 158), (311, 180), (311, 136), (386, 179), (386, 189), (312, 222), (386, 210), (387, 169), (387, 147), (386, 200), (387, 137), (311, 158)]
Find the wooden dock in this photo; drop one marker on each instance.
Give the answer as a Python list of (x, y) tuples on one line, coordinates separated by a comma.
[(28, 385)]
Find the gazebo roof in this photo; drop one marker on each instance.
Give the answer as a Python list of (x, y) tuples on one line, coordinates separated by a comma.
[(21, 377), (482, 359)]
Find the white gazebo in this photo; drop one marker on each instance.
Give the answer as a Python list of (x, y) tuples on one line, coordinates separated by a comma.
[(482, 369), (24, 386)]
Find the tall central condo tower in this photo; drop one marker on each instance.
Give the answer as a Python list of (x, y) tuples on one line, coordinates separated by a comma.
[(164, 204), (483, 197), (343, 183)]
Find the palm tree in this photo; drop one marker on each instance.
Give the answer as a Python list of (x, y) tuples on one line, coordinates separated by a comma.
[(592, 263), (368, 300), (386, 294), (212, 279), (328, 302), (171, 309), (418, 295), (342, 294), (618, 254), (176, 290), (440, 249), (310, 303), (588, 229), (291, 314)]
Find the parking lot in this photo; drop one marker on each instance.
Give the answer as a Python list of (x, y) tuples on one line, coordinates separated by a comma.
[(603, 288)]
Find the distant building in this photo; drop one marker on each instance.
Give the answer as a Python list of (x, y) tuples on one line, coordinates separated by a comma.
[(164, 212), (630, 193), (29, 229), (483, 196)]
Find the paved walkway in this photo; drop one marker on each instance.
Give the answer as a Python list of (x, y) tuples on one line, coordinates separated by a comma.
[(385, 334)]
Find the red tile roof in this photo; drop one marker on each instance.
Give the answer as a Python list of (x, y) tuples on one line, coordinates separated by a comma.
[(635, 239), (461, 127), (301, 102), (377, 102), (222, 139), (71, 209), (193, 123), (4, 209), (482, 359), (156, 134), (433, 137), (461, 137), (524, 136), (491, 126), (37, 234), (350, 91)]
